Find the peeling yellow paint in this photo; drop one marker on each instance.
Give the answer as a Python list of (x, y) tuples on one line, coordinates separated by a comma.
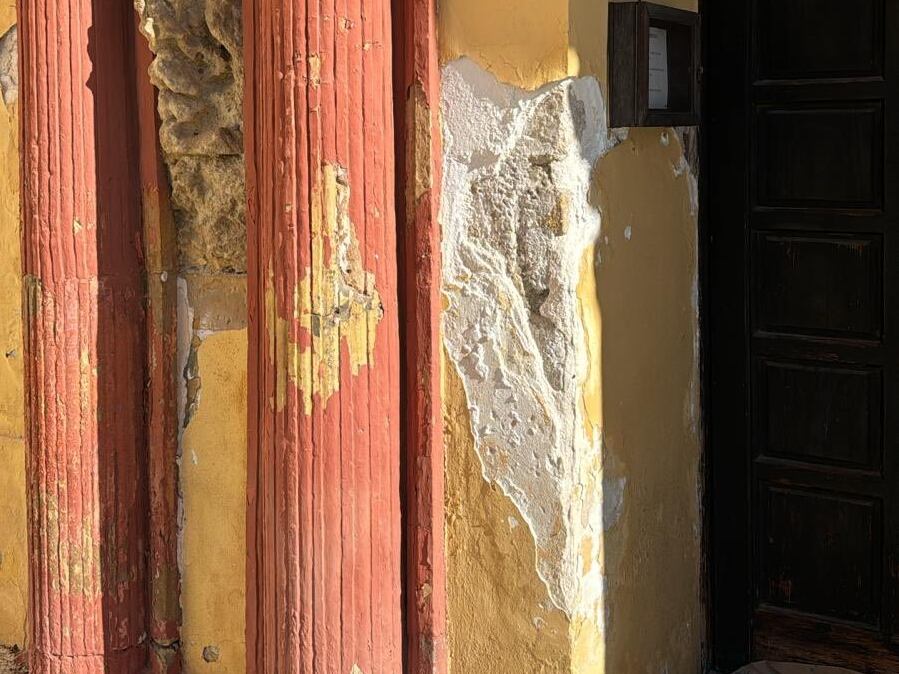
[(588, 295), (315, 69), (646, 287), (336, 303), (13, 534), (81, 575)]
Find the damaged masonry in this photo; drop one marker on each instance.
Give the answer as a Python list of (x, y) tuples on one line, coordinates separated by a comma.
[(355, 341)]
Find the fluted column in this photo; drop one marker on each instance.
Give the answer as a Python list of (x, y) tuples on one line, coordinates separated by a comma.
[(84, 342), (324, 515), (419, 162)]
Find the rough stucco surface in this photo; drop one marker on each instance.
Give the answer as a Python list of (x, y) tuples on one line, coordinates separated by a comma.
[(9, 662), (13, 547), (517, 221), (199, 73)]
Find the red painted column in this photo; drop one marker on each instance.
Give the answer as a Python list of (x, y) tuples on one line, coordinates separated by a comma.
[(323, 471), (417, 86), (161, 257), (85, 347)]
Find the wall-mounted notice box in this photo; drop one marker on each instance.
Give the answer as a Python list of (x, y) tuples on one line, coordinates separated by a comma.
[(653, 65)]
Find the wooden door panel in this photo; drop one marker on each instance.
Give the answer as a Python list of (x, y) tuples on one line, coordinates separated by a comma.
[(820, 39), (819, 553), (802, 225), (825, 155), (819, 413), (791, 637), (825, 285)]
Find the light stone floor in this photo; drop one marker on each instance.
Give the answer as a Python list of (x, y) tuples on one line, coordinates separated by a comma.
[(783, 668)]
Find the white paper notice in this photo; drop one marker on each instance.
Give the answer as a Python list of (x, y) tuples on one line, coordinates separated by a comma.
[(658, 69)]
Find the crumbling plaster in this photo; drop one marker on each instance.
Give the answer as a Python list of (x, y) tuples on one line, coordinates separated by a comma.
[(516, 224), (637, 303)]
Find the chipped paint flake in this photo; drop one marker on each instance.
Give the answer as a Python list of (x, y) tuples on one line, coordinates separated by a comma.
[(315, 69), (419, 120)]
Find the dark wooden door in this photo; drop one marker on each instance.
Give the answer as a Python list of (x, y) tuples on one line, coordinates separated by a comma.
[(802, 229)]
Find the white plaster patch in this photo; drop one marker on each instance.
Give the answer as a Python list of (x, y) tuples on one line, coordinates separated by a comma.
[(185, 332), (628, 232), (185, 319), (516, 223), (9, 66)]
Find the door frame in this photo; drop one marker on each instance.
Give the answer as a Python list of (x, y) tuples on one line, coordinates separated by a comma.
[(724, 194)]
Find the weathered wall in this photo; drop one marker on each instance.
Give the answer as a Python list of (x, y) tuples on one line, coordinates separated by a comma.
[(199, 75), (213, 478), (522, 42), (13, 548), (573, 441), (646, 287)]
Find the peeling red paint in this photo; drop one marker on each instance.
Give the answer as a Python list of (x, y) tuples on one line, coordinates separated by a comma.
[(85, 342), (417, 92), (161, 253), (323, 483)]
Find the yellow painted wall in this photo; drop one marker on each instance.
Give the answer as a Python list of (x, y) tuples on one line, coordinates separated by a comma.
[(213, 480), (13, 569), (642, 391), (650, 401), (646, 288), (522, 42), (502, 619)]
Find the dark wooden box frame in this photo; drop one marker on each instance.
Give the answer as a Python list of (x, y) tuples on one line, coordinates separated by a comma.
[(629, 24)]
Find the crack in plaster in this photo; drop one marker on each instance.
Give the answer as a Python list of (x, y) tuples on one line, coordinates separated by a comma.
[(517, 223)]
